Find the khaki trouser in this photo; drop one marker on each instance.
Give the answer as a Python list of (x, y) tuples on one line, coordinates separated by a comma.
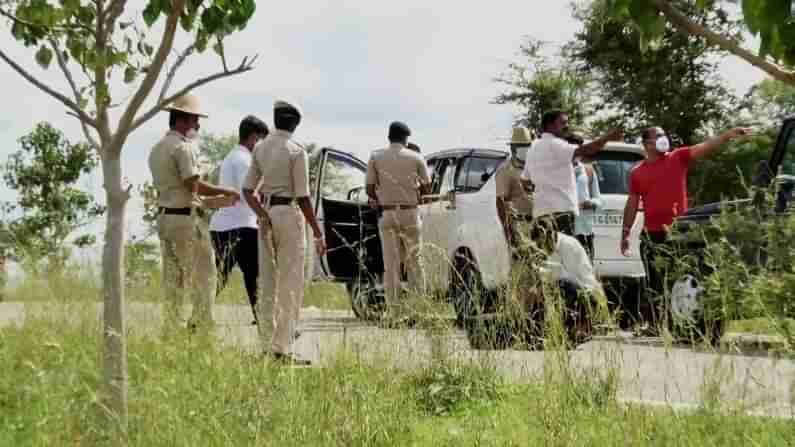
[(400, 241), (188, 267), (281, 277)]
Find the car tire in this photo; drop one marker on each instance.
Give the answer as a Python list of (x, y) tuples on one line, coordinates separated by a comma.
[(688, 318), (367, 300), (475, 308)]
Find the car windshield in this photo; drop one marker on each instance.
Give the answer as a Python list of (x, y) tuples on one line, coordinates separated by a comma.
[(613, 169)]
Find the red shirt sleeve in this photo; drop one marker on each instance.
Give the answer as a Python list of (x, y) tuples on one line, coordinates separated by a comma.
[(684, 155)]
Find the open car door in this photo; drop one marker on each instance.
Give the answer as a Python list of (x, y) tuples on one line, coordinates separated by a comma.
[(349, 224)]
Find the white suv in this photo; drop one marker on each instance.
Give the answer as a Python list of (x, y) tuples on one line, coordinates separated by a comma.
[(461, 231)]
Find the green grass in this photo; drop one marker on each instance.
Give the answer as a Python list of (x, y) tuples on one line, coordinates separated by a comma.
[(189, 391), (81, 283)]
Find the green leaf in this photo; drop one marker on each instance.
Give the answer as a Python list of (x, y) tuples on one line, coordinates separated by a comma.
[(212, 19), (219, 48), (44, 57), (129, 74), (151, 12), (751, 15), (202, 40)]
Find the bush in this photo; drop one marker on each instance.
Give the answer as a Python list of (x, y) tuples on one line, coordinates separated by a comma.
[(445, 386)]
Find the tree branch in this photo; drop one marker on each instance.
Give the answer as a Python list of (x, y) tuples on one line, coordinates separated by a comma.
[(244, 66), (50, 91), (173, 71), (101, 90), (70, 79), (166, 43), (684, 25), (115, 10)]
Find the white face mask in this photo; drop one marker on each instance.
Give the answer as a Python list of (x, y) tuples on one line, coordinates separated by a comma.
[(663, 145), (521, 153), (192, 134)]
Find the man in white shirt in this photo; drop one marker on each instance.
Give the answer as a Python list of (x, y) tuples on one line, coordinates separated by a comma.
[(550, 171), (234, 229), (569, 264)]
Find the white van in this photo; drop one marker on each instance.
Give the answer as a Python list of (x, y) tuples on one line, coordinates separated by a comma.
[(461, 231)]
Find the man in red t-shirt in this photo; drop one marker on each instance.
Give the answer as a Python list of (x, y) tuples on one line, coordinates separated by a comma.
[(660, 182)]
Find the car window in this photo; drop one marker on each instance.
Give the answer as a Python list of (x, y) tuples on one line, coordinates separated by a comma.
[(474, 172), (446, 174), (613, 171), (440, 167), (432, 169), (342, 179)]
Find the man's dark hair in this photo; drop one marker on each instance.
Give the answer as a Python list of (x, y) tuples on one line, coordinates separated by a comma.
[(286, 118), (251, 125), (414, 147), (176, 115), (398, 132), (646, 133), (550, 117)]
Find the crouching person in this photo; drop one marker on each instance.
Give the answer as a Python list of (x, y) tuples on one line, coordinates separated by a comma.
[(567, 270)]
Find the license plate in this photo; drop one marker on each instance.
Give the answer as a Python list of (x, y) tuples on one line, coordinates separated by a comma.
[(608, 219)]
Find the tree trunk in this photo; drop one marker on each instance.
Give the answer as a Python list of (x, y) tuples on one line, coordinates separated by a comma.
[(114, 390)]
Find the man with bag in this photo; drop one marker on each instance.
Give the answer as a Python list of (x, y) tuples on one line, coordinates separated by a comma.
[(280, 172)]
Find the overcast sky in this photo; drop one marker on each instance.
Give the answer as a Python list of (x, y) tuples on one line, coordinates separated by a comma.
[(353, 66)]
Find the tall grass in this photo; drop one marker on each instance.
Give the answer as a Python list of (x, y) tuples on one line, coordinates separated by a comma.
[(188, 390)]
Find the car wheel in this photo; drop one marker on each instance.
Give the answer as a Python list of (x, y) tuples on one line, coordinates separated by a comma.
[(367, 299), (688, 321), (476, 308)]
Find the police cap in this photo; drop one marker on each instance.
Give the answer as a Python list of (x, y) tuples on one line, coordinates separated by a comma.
[(399, 131)]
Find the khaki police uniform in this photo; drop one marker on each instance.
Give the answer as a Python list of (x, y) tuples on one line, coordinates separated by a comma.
[(280, 170), (397, 172), (517, 201), (509, 188), (186, 250)]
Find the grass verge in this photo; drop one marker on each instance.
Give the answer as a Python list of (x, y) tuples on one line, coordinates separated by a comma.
[(188, 391)]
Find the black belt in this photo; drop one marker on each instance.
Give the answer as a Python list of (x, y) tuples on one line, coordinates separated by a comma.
[(398, 207), (523, 217), (276, 201), (177, 211)]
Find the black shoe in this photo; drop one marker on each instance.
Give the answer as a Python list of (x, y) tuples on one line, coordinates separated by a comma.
[(288, 359)]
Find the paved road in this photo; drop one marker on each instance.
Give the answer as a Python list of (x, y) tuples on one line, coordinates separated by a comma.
[(648, 371)]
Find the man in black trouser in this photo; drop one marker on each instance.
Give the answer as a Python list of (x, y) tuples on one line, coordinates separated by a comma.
[(657, 256), (234, 229), (549, 168)]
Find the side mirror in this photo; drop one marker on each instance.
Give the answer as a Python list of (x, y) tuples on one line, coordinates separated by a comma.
[(763, 175), (353, 193)]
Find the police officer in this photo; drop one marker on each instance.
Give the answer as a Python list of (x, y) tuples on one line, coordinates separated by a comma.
[(514, 204), (188, 261), (394, 177), (280, 170)]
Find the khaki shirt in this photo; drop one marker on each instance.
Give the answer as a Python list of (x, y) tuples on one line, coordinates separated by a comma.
[(172, 161), (509, 187), (279, 167), (397, 173)]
